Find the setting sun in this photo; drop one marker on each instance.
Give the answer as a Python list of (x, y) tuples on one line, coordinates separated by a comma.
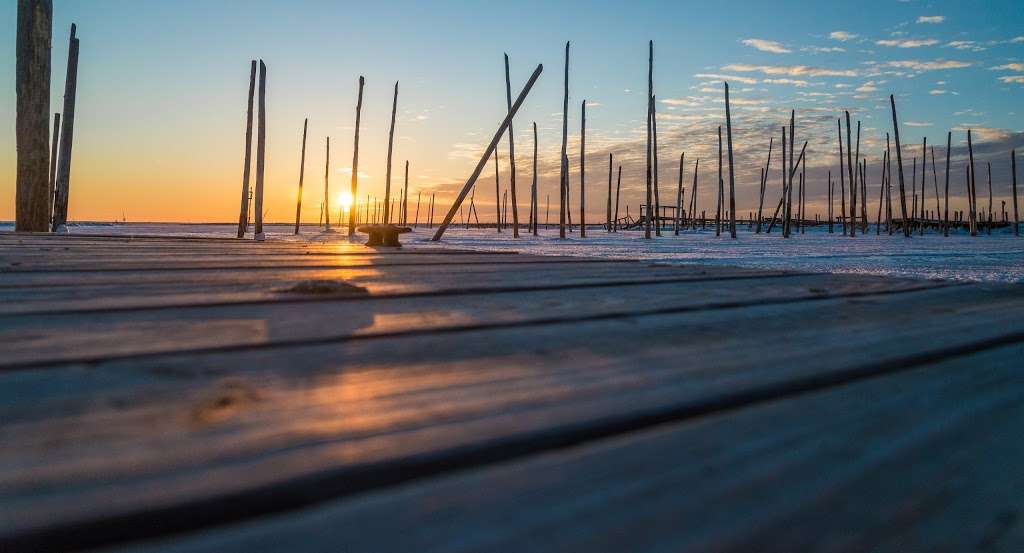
[(345, 200)]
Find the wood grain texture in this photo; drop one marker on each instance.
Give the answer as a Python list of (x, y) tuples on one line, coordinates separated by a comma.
[(196, 438), (825, 471)]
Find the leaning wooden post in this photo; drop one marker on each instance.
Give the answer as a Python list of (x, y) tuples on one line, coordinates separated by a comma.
[(608, 210), (693, 197), (261, 149), (563, 177), (618, 188), (1013, 169), (899, 167), (511, 156), (650, 95), (391, 142), (583, 169), (51, 183), (487, 153), (243, 210), (67, 132), (787, 227), (32, 122), (302, 172), (679, 194), (732, 180), (533, 185), (419, 196), (973, 188)]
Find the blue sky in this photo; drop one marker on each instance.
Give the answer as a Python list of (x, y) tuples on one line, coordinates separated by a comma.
[(162, 87)]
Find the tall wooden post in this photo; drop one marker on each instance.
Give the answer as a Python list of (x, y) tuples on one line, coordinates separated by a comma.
[(989, 218), (764, 183), (732, 181), (718, 203), (1013, 169), (327, 186), (693, 196), (679, 194), (67, 132), (32, 125), (899, 167), (261, 149), (511, 156), (302, 172), (391, 142), (852, 180), (355, 158), (583, 169), (945, 214), (533, 185), (430, 220), (608, 209), (618, 188), (51, 184), (563, 177), (404, 217), (787, 227), (654, 155), (973, 188), (243, 210), (650, 96), (497, 193)]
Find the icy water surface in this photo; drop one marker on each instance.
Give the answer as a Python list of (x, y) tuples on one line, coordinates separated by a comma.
[(999, 257)]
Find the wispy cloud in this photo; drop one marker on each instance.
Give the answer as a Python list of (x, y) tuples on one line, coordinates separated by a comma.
[(908, 43), (799, 83), (1017, 40), (936, 92), (791, 70), (717, 77), (766, 45), (1019, 79), (931, 19), (966, 45), (842, 36), (918, 123), (822, 49), (1009, 67), (933, 65), (867, 87)]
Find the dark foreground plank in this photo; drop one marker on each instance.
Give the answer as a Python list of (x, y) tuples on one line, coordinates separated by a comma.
[(926, 460), (182, 441)]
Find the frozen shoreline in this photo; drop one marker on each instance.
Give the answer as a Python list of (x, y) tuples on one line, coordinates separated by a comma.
[(996, 258)]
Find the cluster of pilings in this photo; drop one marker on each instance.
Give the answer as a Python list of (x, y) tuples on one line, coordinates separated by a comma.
[(44, 160)]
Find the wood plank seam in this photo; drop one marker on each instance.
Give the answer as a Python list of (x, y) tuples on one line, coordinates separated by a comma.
[(453, 329)]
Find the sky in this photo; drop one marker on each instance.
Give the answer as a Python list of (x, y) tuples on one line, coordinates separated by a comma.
[(160, 114)]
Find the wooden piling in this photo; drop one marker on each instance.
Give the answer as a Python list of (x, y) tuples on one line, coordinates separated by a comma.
[(1013, 170), (657, 178), (430, 220), (63, 181), (693, 196), (718, 203), (32, 120), (302, 173), (51, 189), (608, 212), (973, 190), (563, 177), (679, 194), (583, 168), (989, 229), (261, 150), (511, 156), (497, 192), (355, 157), (853, 183), (732, 180), (618, 188), (533, 184), (945, 216), (487, 153), (650, 95), (829, 207), (764, 183), (899, 167), (787, 226), (327, 185), (387, 172)]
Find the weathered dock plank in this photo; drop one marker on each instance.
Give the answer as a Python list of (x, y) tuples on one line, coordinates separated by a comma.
[(912, 462), (148, 392)]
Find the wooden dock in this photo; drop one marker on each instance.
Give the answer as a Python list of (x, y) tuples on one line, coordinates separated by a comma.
[(172, 394)]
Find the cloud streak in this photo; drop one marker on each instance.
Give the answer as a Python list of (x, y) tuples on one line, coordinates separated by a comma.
[(790, 70), (766, 45)]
